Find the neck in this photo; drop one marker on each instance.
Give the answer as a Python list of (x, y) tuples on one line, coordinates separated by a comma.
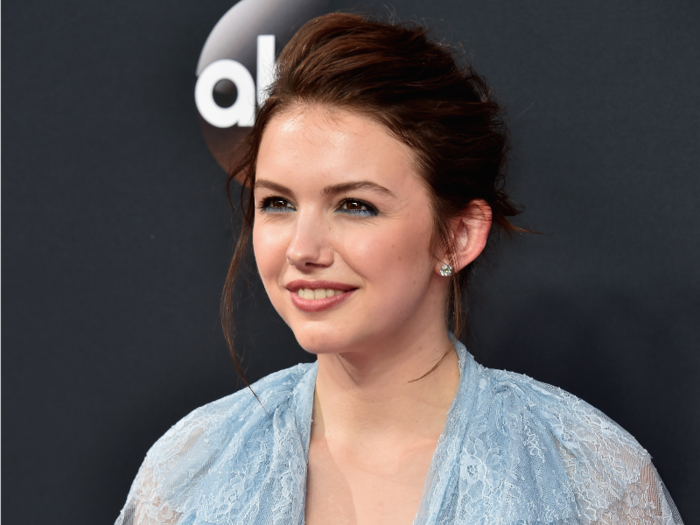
[(401, 391)]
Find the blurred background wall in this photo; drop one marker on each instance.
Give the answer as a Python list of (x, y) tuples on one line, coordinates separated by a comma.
[(116, 233)]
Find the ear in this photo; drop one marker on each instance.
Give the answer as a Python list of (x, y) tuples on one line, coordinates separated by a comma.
[(470, 231)]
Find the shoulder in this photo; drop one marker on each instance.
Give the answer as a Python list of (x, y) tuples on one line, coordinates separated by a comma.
[(574, 423), (223, 420), (211, 445), (593, 458)]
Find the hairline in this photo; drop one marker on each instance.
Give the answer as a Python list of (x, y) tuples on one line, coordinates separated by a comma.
[(288, 104)]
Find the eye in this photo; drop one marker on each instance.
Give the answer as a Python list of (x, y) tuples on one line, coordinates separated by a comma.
[(276, 205), (357, 207)]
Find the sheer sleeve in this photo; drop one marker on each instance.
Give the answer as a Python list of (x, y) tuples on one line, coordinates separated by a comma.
[(644, 502), (145, 504), (171, 468), (614, 480), (240, 459), (166, 486)]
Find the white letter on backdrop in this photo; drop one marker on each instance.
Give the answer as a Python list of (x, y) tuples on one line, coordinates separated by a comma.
[(266, 65), (242, 112)]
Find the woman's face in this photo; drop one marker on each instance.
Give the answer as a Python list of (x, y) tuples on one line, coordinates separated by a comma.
[(342, 231)]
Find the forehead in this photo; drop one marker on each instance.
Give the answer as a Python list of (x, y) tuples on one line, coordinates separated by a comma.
[(313, 143)]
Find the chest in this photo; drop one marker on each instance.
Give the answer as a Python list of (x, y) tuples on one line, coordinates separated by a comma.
[(380, 485)]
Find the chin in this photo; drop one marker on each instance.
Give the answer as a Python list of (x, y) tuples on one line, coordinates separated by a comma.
[(321, 338), (321, 341)]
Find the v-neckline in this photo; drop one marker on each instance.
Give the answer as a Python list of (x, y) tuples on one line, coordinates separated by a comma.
[(433, 487)]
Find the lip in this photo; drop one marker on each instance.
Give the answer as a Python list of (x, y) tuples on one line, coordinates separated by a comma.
[(316, 305), (294, 286)]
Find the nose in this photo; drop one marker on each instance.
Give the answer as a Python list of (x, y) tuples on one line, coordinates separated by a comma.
[(310, 247)]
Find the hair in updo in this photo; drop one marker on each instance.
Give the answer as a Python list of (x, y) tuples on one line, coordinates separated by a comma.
[(396, 75)]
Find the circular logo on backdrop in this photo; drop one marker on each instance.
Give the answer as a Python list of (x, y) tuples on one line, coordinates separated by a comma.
[(236, 67)]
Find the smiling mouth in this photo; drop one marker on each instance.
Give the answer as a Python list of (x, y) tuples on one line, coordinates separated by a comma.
[(314, 296), (318, 293)]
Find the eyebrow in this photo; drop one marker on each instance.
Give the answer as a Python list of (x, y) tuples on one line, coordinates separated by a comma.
[(329, 190), (356, 185), (273, 186)]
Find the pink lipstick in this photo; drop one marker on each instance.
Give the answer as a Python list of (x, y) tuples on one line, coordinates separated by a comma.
[(314, 296)]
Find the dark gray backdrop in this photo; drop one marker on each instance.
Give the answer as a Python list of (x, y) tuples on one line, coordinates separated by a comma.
[(116, 233)]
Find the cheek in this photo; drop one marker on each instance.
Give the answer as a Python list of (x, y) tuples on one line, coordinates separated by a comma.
[(270, 250), (392, 256)]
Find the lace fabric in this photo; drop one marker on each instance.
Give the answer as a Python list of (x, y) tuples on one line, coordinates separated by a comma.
[(513, 451)]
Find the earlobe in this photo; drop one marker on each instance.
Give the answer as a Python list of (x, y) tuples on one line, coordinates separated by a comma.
[(446, 270)]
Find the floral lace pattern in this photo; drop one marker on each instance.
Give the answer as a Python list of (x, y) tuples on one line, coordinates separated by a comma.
[(513, 451)]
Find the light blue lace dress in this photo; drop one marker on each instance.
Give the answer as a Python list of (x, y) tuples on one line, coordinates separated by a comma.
[(513, 451)]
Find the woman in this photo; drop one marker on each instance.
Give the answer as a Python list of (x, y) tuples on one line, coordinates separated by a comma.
[(376, 168)]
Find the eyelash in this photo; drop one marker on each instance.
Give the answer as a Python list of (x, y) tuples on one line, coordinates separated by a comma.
[(266, 205), (366, 209)]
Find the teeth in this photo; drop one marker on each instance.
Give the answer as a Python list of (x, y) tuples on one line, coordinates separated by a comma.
[(319, 293)]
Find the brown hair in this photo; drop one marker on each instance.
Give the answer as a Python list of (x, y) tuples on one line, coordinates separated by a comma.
[(396, 75)]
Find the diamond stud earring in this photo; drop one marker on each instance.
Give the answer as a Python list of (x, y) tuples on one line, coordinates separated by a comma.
[(446, 270)]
